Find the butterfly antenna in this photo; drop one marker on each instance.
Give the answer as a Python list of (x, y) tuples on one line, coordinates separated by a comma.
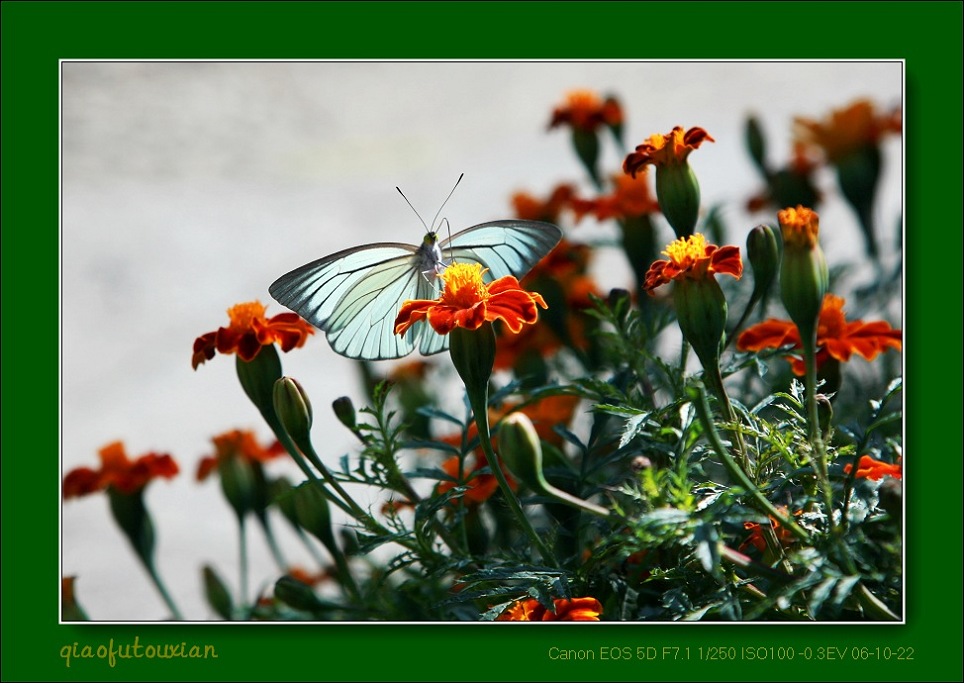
[(448, 230), (461, 175), (412, 208)]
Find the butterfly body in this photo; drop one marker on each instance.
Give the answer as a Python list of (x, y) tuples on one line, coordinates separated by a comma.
[(354, 295)]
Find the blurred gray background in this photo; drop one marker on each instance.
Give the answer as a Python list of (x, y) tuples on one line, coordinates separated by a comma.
[(189, 187)]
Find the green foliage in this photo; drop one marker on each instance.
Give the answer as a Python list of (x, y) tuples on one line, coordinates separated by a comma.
[(668, 490)]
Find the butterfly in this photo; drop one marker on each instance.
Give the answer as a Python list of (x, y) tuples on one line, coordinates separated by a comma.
[(354, 295)]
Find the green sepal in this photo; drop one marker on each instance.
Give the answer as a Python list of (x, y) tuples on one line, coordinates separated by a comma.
[(678, 193), (132, 516), (216, 593)]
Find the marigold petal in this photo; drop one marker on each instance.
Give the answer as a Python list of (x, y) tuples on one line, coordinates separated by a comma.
[(205, 348), (726, 260), (248, 347), (411, 312), (81, 481), (515, 308), (656, 276), (771, 334)]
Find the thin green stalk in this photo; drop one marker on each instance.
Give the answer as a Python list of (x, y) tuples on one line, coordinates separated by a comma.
[(715, 378), (243, 562), (273, 546), (162, 589), (819, 449), (478, 399), (698, 396)]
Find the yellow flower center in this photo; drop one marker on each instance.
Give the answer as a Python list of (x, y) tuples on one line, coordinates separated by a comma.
[(685, 251), (799, 226), (243, 315), (463, 285)]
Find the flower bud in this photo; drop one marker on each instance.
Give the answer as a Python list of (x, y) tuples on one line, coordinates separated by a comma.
[(803, 275), (280, 491), (344, 411), (764, 256), (678, 193), (293, 409), (757, 144), (314, 515), (217, 594), (824, 415), (296, 594), (521, 450), (857, 175), (586, 145)]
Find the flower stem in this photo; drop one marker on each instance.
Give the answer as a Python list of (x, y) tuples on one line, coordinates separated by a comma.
[(243, 562), (162, 589), (473, 355), (819, 449), (480, 407), (698, 396)]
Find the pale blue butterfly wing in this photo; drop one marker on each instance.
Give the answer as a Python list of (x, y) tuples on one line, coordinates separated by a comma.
[(355, 294), (504, 247)]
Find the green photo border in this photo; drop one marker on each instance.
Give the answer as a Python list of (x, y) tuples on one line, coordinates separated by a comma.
[(36, 35)]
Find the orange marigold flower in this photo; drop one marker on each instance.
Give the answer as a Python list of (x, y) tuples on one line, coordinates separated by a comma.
[(545, 414), (530, 609), (396, 505), (565, 267), (665, 150), (466, 301), (868, 468), (800, 226), (479, 487), (836, 338), (585, 110), (119, 472), (249, 331), (237, 444), (783, 534), (846, 130), (309, 578), (630, 197), (530, 208), (691, 257)]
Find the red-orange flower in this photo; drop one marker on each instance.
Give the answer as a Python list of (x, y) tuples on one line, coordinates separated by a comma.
[(691, 257), (237, 443), (545, 414), (665, 150), (756, 539), (309, 578), (836, 338), (566, 267), (847, 130), (119, 472), (630, 197), (530, 609), (249, 331), (868, 468), (585, 110), (530, 208), (466, 301), (790, 185), (479, 487)]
